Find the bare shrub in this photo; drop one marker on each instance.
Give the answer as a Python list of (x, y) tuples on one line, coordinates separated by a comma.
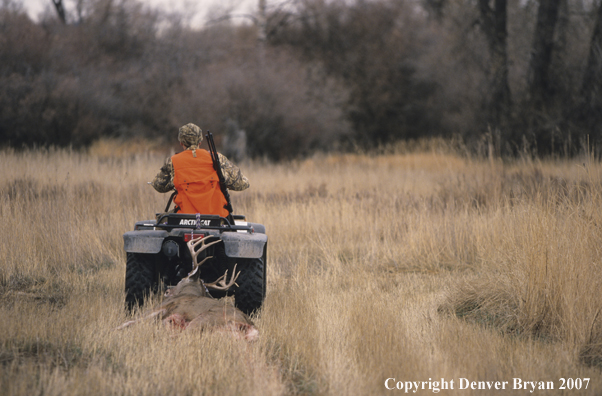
[(285, 108), (374, 49)]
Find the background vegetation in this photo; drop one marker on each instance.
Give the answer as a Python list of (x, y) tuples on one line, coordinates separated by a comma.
[(418, 263), (308, 75)]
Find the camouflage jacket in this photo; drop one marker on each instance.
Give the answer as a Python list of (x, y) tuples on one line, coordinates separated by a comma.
[(233, 177)]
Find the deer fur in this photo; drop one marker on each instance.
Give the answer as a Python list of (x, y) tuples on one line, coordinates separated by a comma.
[(189, 306)]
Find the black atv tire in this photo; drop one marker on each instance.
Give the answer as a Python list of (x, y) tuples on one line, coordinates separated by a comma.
[(250, 293), (140, 279)]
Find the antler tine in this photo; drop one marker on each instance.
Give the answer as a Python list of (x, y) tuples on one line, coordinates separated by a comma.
[(204, 245), (222, 283), (193, 275)]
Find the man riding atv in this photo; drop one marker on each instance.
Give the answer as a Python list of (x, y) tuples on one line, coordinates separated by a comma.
[(192, 175), (157, 251)]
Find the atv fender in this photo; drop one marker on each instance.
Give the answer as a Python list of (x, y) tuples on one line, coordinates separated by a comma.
[(144, 241), (244, 245)]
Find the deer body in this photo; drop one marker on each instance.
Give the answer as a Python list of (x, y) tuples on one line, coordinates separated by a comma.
[(189, 306), (213, 311)]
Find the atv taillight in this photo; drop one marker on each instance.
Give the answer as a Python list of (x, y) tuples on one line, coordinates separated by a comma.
[(191, 236)]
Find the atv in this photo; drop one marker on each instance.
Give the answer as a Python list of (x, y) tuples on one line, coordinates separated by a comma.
[(158, 256)]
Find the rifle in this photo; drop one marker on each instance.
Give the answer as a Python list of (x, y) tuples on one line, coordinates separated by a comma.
[(220, 175)]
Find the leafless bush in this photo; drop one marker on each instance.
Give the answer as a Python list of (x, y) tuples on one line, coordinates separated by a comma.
[(330, 74), (114, 74)]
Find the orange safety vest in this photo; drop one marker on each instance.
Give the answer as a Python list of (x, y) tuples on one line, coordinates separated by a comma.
[(197, 184)]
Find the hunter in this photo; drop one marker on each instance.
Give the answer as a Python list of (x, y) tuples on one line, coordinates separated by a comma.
[(192, 175)]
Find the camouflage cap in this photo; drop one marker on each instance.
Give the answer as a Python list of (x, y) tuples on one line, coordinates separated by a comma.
[(190, 135)]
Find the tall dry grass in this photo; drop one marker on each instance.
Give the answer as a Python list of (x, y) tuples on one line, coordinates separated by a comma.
[(410, 265)]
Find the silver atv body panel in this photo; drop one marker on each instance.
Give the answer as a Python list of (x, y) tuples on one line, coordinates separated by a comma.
[(236, 244), (144, 241)]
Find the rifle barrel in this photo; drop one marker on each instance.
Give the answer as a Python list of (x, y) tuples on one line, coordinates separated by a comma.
[(218, 169)]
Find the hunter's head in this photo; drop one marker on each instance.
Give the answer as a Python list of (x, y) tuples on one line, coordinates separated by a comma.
[(190, 135)]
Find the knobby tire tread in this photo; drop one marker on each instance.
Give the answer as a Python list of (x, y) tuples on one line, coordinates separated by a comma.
[(139, 279), (250, 292)]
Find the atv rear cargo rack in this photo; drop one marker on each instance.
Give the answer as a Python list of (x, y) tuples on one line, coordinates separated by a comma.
[(169, 221)]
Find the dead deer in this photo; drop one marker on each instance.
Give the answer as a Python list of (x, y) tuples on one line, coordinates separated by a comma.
[(189, 305)]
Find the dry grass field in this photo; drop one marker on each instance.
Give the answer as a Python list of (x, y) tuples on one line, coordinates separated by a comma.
[(414, 265)]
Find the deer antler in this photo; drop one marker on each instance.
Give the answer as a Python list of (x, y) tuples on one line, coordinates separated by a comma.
[(222, 283), (204, 244)]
